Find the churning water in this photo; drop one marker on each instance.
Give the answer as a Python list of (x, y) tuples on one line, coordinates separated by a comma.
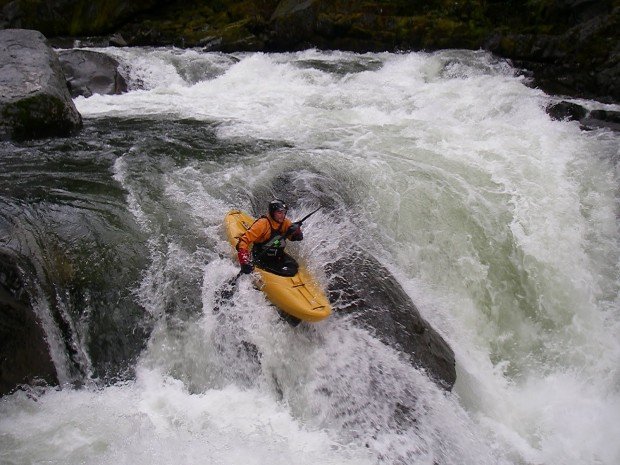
[(500, 223)]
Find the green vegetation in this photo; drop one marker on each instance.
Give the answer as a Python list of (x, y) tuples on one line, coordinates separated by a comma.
[(577, 36), (37, 115)]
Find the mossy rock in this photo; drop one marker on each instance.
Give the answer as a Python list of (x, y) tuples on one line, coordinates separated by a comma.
[(41, 115)]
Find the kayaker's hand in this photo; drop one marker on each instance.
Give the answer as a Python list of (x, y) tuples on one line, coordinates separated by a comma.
[(294, 232), (244, 261)]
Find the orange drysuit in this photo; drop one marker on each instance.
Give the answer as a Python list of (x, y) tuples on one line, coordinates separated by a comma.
[(262, 231)]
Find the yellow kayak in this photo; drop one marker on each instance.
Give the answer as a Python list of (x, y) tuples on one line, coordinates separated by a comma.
[(297, 295)]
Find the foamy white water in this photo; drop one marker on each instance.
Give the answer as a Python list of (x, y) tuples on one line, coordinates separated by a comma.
[(500, 223)]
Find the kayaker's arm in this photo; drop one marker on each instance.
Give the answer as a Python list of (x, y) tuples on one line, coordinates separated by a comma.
[(256, 233), (258, 230)]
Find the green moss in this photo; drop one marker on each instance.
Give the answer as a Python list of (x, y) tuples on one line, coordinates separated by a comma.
[(37, 116)]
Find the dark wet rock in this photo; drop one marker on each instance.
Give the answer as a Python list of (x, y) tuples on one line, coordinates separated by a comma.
[(363, 289), (595, 119), (90, 72), (117, 40), (294, 23), (606, 115), (572, 47), (602, 119), (567, 111), (68, 42), (34, 99), (24, 353)]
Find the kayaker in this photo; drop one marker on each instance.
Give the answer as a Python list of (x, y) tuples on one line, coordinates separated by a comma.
[(267, 236)]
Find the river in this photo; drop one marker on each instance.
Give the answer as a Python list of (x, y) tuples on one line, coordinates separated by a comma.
[(500, 223)]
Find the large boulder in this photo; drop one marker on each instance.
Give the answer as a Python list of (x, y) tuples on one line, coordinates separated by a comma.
[(34, 99), (90, 72)]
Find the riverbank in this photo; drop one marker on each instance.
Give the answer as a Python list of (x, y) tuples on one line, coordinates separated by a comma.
[(569, 48)]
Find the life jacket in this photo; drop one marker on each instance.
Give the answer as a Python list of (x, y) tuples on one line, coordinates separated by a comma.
[(270, 248)]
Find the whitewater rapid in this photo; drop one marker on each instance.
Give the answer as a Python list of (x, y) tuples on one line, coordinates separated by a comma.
[(500, 223)]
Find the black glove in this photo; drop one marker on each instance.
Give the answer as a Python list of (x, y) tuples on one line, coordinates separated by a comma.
[(295, 232), (293, 229), (247, 268)]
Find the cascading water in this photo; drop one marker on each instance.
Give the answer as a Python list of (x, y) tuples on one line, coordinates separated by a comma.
[(500, 224)]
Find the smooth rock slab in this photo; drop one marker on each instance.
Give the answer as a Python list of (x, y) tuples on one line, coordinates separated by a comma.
[(89, 73), (366, 291)]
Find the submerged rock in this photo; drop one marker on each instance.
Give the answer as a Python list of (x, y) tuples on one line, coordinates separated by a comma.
[(361, 287), (89, 73), (34, 99), (599, 119)]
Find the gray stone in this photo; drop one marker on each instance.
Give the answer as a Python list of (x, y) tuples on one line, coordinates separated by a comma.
[(89, 73), (34, 99)]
